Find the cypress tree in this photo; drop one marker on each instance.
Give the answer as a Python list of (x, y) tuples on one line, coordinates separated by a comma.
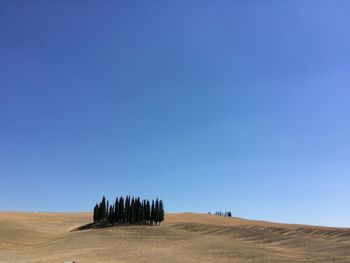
[(116, 210), (128, 214), (133, 210), (161, 211), (138, 211), (127, 211), (121, 210), (111, 215), (143, 209), (132, 221), (148, 212), (129, 218), (103, 208), (156, 212), (96, 213), (107, 212), (152, 213)]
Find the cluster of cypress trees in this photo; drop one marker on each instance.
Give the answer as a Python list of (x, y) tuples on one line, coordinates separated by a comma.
[(221, 213), (129, 210)]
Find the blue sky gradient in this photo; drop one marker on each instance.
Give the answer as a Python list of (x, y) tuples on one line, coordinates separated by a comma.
[(209, 105)]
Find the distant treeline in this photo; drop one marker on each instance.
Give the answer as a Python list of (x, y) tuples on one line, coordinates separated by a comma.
[(221, 213), (129, 210)]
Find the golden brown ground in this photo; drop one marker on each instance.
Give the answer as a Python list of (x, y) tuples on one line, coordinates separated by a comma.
[(186, 237)]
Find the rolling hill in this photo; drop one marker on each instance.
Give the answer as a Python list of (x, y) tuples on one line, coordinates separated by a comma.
[(183, 237)]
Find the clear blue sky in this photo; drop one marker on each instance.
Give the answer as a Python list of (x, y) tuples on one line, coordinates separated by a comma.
[(209, 105)]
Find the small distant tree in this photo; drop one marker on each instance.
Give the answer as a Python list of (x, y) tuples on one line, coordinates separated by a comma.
[(221, 213)]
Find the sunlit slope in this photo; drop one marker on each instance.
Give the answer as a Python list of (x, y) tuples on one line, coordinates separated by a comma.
[(185, 237)]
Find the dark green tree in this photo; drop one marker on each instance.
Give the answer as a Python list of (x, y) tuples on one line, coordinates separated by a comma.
[(138, 211), (96, 219), (161, 211), (132, 221), (121, 215), (152, 213), (107, 212), (103, 209), (127, 210), (111, 214), (143, 210), (148, 212), (116, 211), (156, 211)]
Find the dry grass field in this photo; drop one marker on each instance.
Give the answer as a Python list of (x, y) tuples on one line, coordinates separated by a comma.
[(186, 237)]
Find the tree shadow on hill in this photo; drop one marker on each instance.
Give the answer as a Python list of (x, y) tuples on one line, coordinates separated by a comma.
[(86, 227), (98, 226), (93, 226)]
